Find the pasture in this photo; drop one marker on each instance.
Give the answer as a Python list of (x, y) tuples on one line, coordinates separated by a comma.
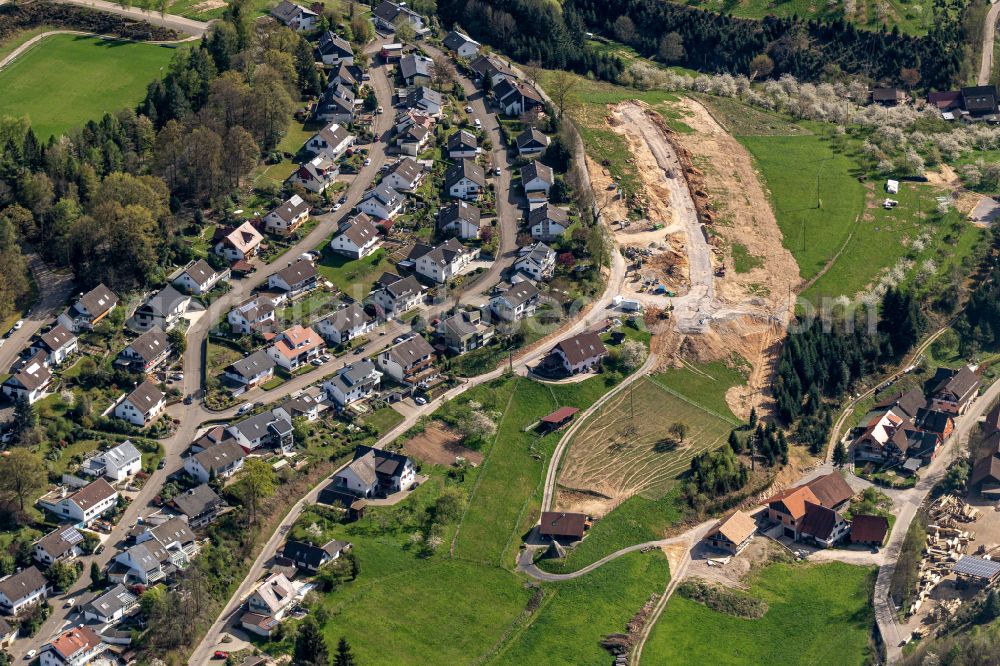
[(66, 80), (911, 17), (824, 610)]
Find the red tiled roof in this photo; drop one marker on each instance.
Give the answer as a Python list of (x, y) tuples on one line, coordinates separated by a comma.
[(560, 415)]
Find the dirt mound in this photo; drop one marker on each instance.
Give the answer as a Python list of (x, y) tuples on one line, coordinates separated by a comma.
[(440, 446)]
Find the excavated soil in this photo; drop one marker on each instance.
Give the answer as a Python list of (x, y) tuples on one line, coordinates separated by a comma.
[(440, 446), (742, 211)]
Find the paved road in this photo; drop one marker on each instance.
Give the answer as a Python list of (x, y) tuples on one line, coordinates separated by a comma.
[(55, 287), (172, 21), (989, 33), (906, 505), (191, 417)]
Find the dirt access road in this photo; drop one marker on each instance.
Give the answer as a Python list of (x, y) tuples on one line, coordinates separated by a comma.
[(989, 34)]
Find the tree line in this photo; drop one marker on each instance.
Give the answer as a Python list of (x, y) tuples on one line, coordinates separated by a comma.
[(110, 199), (708, 41)]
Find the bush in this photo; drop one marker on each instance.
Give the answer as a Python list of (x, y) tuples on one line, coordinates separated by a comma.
[(723, 600)]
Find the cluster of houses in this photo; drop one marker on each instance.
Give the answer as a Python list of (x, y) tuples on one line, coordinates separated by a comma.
[(906, 429), (971, 103), (812, 512)]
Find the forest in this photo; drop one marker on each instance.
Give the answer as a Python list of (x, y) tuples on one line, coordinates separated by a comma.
[(681, 35)]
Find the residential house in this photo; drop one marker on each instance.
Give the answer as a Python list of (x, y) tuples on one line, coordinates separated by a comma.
[(252, 370), (465, 331), (562, 526), (905, 404), (221, 461), (22, 590), (345, 75), (391, 53), (110, 607), (580, 353), (146, 353), (980, 102), (89, 309), (939, 423), (382, 202), (8, 633), (287, 217), (888, 96), (375, 472), (353, 382), (465, 180), (409, 362), (946, 101), (823, 526), (985, 475), (58, 343), (273, 596), (209, 438), (308, 557), (296, 17), (955, 390), (405, 175), (334, 50), (83, 506), (116, 464), (462, 45), (296, 346), (414, 140), (345, 324), (531, 143), (357, 236), (461, 219), (30, 381), (305, 405), (143, 405), (516, 302), (262, 430), (317, 174), (788, 508), (416, 70), (331, 141), (514, 97), (261, 625), (548, 222), (237, 244), (296, 278), (142, 564), (337, 104), (733, 533), (59, 545), (407, 118), (442, 262), (388, 14), (424, 99), (199, 278), (463, 144), (199, 506), (174, 534), (163, 310), (74, 647), (253, 315), (394, 295), (536, 177), (883, 438), (489, 66), (538, 261), (869, 530)]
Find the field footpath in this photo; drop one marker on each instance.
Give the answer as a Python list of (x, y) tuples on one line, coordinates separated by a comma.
[(164, 20), (989, 34)]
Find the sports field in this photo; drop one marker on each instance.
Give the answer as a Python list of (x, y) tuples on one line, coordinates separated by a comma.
[(66, 80)]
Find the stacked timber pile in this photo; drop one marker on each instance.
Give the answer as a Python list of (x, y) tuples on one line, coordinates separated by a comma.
[(946, 544), (949, 509)]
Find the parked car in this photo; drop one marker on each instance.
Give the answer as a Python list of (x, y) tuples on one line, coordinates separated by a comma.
[(420, 400), (220, 654), (379, 109), (188, 399), (468, 109), (496, 171), (162, 463), (30, 654), (478, 123), (337, 207), (244, 408), (18, 324), (69, 603), (317, 362), (368, 161), (342, 200)]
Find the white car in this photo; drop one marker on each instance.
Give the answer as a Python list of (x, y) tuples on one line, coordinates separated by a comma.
[(69, 602), (337, 206), (18, 324), (378, 110), (468, 109), (30, 654), (177, 376), (477, 123), (244, 408), (420, 400), (368, 161)]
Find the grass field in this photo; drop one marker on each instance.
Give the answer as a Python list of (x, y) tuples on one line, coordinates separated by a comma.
[(414, 606), (620, 450), (815, 197), (354, 277), (912, 17), (817, 614), (66, 80)]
